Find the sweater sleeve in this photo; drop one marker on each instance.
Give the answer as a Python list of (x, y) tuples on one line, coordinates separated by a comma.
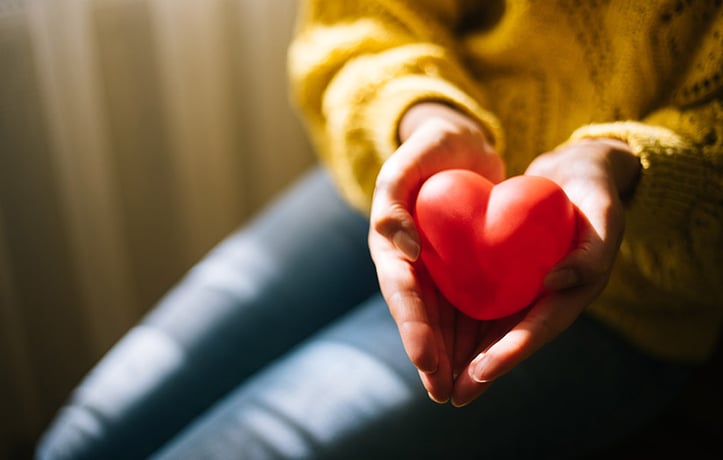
[(356, 67), (674, 221), (674, 227)]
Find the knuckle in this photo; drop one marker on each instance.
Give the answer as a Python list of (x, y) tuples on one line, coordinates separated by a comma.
[(391, 219)]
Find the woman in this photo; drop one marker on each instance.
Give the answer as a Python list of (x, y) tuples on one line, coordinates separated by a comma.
[(619, 103)]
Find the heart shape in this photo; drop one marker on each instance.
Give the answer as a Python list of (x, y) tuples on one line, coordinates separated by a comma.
[(488, 247)]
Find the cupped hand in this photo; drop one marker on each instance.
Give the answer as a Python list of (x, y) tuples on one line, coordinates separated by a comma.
[(597, 175), (434, 137)]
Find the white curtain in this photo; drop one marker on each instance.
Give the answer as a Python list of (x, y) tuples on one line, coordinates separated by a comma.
[(134, 135)]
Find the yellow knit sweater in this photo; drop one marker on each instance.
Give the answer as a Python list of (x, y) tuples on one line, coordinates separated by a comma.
[(538, 74)]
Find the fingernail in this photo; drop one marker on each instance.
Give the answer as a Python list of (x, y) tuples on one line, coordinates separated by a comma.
[(438, 401), (408, 245), (561, 279), (460, 404), (478, 369)]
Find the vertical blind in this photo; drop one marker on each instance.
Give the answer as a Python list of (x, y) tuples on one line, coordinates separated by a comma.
[(134, 135)]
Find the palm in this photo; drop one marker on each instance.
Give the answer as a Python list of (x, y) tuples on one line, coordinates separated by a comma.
[(458, 337)]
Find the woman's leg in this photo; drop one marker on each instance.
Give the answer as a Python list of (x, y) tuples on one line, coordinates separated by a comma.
[(350, 392), (297, 266)]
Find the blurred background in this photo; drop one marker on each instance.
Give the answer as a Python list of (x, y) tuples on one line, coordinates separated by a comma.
[(134, 135)]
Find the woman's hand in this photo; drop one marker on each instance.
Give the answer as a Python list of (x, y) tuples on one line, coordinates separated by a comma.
[(596, 175), (434, 137), (457, 356)]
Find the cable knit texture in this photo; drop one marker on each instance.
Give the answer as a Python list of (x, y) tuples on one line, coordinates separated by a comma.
[(539, 74)]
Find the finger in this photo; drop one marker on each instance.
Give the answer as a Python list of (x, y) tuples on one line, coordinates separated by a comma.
[(390, 217), (400, 285), (427, 152), (422, 155), (465, 388), (423, 325), (467, 337), (600, 232), (397, 225), (448, 326), (542, 323), (438, 383), (390, 214), (441, 312)]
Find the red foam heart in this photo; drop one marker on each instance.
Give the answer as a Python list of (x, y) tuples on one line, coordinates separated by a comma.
[(488, 247)]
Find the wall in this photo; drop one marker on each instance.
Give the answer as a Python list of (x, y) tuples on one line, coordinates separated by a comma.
[(134, 134)]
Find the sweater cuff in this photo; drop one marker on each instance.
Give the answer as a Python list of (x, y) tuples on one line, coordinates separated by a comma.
[(398, 96), (381, 116), (670, 178)]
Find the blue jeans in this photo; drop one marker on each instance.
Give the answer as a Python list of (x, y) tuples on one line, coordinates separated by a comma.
[(279, 345)]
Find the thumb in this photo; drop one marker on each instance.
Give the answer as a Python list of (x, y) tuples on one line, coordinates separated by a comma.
[(590, 261), (396, 224)]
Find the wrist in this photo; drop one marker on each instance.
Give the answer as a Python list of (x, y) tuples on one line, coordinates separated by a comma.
[(615, 157), (425, 112), (624, 165)]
